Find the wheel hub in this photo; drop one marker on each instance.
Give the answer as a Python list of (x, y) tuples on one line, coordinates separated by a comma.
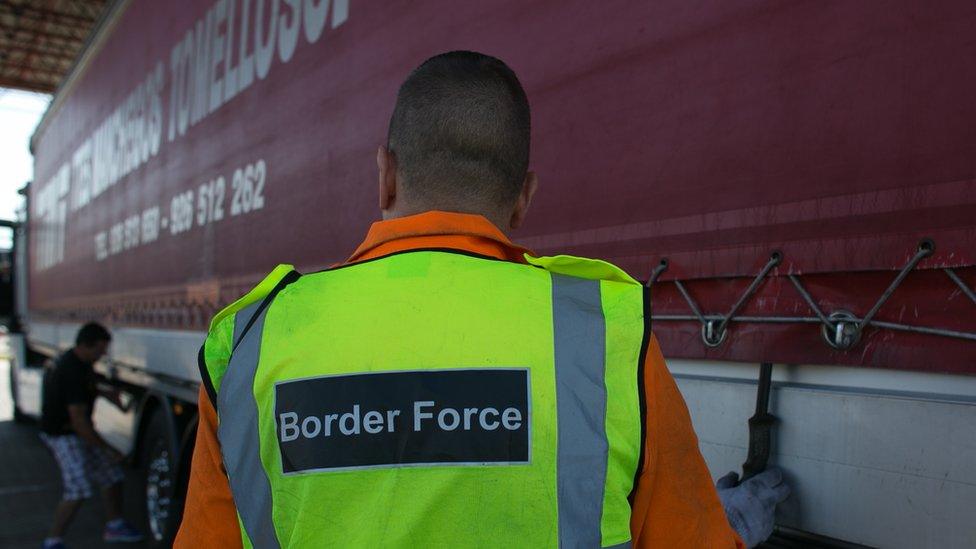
[(159, 485)]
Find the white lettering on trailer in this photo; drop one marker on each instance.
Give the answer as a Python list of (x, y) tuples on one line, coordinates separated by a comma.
[(217, 48), (216, 59), (201, 69), (288, 32), (246, 69), (188, 209), (264, 41), (235, 42), (210, 201), (127, 139), (50, 214), (313, 14), (150, 225)]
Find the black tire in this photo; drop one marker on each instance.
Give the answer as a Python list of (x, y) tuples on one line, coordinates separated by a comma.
[(161, 487)]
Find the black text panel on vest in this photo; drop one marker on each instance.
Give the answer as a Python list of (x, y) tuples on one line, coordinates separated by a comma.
[(473, 416)]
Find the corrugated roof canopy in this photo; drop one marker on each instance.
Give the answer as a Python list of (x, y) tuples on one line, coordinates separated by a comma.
[(40, 40)]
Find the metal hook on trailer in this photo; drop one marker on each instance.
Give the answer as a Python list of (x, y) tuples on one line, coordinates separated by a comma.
[(842, 329), (714, 330), (962, 285), (925, 248), (658, 271), (839, 329), (774, 259)]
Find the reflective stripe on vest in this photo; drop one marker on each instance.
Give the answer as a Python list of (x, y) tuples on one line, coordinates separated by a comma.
[(238, 435), (596, 439), (581, 401)]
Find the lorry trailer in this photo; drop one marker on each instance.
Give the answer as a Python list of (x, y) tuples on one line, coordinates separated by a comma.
[(793, 180)]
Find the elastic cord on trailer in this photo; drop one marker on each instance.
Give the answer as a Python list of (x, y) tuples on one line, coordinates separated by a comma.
[(841, 329)]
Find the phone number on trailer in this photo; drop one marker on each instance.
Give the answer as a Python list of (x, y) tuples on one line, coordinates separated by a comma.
[(193, 208)]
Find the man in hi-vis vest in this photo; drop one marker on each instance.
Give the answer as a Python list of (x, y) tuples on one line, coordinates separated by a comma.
[(444, 387)]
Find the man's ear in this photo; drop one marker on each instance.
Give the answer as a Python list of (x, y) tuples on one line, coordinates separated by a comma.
[(524, 200), (386, 166)]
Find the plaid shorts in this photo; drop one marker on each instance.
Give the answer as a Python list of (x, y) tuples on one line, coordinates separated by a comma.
[(81, 465)]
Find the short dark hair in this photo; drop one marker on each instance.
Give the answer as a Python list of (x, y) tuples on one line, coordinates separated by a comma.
[(91, 333), (460, 130)]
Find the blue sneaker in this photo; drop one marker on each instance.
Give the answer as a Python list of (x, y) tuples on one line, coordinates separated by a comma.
[(120, 531), (53, 543)]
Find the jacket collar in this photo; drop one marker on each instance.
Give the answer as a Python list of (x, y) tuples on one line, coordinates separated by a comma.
[(437, 229)]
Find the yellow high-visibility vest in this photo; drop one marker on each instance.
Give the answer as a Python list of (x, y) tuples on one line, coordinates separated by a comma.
[(434, 398)]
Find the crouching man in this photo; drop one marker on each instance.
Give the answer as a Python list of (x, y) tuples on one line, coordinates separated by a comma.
[(70, 390)]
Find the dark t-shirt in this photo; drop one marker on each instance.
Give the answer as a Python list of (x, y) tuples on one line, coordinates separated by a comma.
[(70, 381)]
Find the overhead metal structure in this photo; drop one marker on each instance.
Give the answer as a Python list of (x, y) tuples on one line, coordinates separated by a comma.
[(41, 39)]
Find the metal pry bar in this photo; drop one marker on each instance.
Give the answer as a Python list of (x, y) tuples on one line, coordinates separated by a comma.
[(760, 427)]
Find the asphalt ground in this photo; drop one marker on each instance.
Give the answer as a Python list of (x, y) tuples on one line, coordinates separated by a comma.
[(30, 488)]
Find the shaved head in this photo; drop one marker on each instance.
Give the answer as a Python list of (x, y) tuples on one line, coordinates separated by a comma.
[(460, 132)]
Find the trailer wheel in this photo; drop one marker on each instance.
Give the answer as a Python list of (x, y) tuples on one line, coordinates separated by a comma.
[(161, 487)]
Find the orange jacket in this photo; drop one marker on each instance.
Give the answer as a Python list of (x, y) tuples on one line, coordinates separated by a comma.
[(675, 504)]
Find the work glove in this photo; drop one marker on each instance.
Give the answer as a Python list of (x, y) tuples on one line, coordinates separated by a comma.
[(751, 506)]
